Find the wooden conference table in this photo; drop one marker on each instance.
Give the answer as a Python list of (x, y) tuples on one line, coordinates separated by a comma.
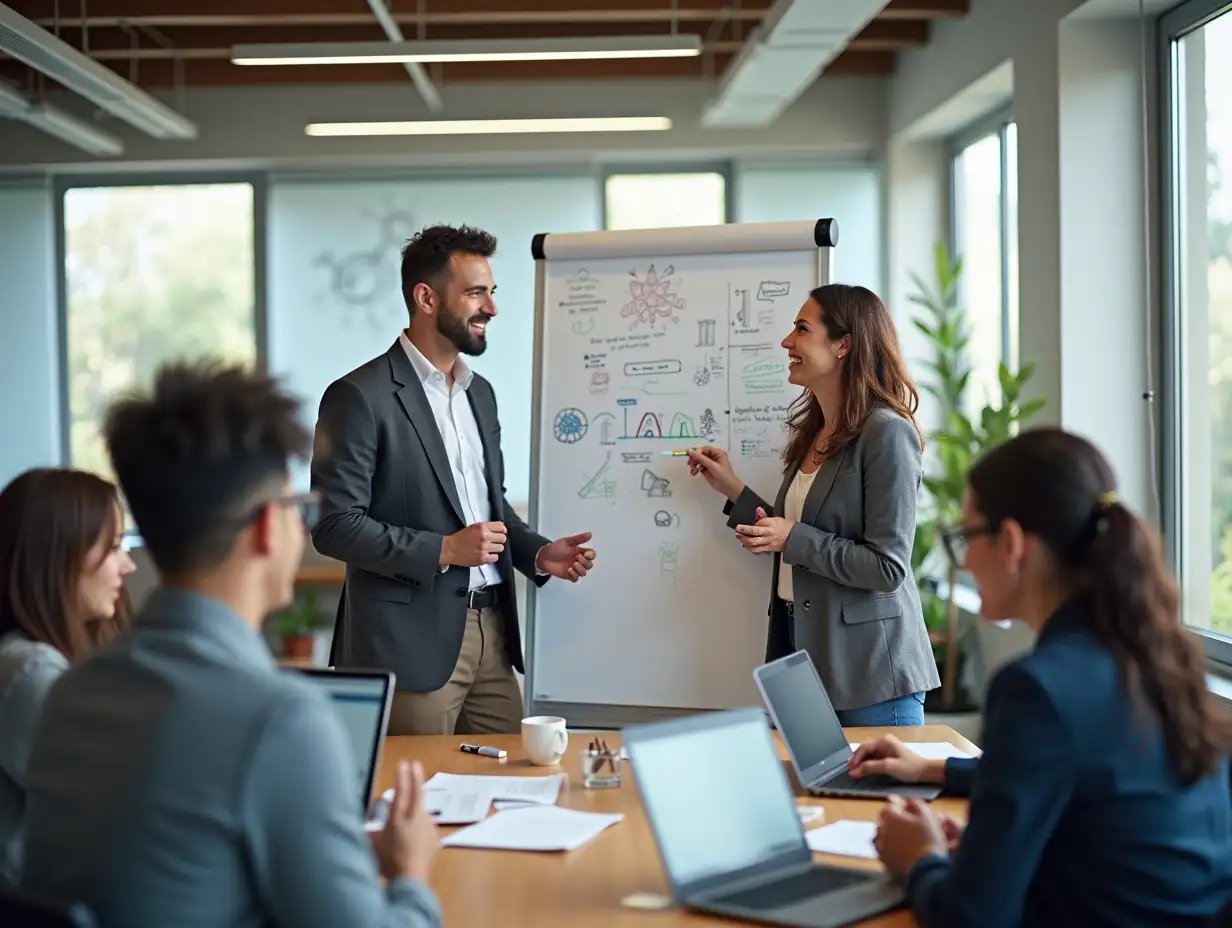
[(585, 887)]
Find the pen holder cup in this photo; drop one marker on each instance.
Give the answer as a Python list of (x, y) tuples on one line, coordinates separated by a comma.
[(600, 770)]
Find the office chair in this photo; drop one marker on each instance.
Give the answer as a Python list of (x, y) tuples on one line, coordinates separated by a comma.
[(30, 911)]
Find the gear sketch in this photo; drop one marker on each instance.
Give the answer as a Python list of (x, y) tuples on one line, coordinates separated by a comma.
[(361, 281), (653, 298)]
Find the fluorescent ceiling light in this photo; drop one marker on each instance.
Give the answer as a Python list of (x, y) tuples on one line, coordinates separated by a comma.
[(449, 52), (55, 121), (492, 126)]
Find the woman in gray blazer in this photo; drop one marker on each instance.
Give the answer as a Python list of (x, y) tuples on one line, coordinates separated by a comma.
[(844, 520)]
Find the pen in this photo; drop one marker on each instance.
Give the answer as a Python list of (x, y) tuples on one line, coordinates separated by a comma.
[(677, 454), (486, 752)]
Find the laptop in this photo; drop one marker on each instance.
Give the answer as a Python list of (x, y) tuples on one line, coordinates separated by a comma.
[(729, 836), (816, 743), (362, 699)]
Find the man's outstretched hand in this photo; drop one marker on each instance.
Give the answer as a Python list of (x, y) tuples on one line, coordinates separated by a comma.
[(566, 558)]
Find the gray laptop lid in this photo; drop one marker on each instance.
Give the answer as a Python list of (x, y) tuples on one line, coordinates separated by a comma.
[(718, 801), (362, 700), (802, 713)]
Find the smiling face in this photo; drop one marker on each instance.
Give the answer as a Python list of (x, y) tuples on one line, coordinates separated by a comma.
[(102, 580), (467, 303), (811, 355)]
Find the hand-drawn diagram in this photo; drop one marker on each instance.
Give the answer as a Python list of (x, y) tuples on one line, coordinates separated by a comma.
[(647, 368), (570, 425), (653, 298), (669, 559), (701, 376), (650, 425), (665, 519), (755, 448), (583, 326), (362, 280), (705, 333), (582, 301), (768, 289), (599, 382), (738, 306), (709, 426), (656, 487), (635, 457), (607, 426), (763, 376), (601, 485)]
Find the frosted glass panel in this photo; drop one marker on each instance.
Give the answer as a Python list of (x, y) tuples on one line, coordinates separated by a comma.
[(850, 195), (335, 297)]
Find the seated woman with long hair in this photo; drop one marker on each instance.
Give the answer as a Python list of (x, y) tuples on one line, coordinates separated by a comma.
[(1102, 794), (62, 570)]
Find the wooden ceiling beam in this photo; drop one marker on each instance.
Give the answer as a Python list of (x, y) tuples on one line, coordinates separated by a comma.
[(888, 36), (861, 64), (928, 9)]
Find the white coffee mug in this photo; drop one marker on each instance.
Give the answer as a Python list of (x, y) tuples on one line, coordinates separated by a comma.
[(544, 738)]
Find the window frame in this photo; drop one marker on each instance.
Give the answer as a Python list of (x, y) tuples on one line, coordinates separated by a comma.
[(725, 169), (1173, 26), (64, 183), (996, 124)]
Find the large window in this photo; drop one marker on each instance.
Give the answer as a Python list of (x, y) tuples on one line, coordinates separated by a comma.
[(985, 236), (151, 274), (661, 200), (1197, 53)]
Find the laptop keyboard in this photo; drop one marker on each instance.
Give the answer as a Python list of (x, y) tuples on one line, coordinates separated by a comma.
[(876, 783), (794, 888)]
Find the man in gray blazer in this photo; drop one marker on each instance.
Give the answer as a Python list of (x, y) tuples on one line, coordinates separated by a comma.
[(177, 776), (409, 470)]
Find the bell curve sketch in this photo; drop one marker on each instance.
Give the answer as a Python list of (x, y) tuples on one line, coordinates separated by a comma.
[(652, 424)]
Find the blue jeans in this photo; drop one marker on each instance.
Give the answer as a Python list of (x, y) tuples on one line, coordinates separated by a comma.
[(902, 710)]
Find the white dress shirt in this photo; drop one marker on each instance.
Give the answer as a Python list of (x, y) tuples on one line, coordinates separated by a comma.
[(460, 432), (793, 509)]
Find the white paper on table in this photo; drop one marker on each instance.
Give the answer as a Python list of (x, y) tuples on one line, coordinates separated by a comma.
[(457, 806), (809, 814), (931, 750), (542, 790), (534, 828), (845, 837), (504, 805)]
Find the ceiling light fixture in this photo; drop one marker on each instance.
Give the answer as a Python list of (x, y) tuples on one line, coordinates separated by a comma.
[(55, 121), (491, 126), (450, 52)]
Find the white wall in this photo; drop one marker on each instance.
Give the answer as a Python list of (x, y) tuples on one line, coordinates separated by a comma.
[(29, 358), (331, 241), (852, 195)]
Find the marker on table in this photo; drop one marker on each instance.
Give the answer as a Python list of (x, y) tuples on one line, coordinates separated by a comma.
[(486, 752), (682, 452)]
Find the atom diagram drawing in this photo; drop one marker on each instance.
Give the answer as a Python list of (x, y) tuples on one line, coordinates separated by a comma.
[(570, 425), (701, 376), (653, 300), (360, 281)]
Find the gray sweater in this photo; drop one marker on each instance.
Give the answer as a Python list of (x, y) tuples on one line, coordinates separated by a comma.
[(179, 778), (27, 671)]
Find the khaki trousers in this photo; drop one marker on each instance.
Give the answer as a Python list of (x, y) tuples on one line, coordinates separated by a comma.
[(481, 697)]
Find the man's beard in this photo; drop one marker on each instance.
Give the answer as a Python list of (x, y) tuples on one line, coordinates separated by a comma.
[(457, 329)]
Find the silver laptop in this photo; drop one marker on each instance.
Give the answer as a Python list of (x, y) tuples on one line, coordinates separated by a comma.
[(362, 699), (816, 743), (729, 836)]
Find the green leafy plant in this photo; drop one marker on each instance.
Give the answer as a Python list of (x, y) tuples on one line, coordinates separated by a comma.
[(957, 444), (300, 618)]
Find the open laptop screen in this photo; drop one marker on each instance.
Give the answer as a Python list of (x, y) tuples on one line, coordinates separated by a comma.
[(801, 709), (715, 793), (360, 700)]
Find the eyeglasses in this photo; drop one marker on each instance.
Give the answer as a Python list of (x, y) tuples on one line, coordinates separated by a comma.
[(308, 504), (956, 541)]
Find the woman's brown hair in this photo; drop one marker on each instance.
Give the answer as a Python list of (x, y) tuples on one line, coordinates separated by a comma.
[(50, 519), (873, 372), (1059, 488)]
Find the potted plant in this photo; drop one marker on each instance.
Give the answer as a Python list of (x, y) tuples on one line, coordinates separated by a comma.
[(961, 439), (294, 625)]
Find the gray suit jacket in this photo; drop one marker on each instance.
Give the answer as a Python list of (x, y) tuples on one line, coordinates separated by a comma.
[(179, 778), (387, 500), (857, 609)]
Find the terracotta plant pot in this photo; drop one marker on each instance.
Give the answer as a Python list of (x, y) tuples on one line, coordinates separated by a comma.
[(297, 646)]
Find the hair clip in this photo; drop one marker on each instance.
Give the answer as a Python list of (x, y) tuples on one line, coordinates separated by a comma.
[(1107, 500)]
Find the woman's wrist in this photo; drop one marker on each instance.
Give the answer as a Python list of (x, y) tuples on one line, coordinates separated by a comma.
[(734, 493)]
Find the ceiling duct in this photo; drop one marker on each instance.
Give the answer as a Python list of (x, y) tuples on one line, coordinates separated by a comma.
[(782, 58), (64, 64), (54, 121)]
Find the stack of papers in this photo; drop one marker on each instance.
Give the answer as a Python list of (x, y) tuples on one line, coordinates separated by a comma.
[(537, 790), (533, 828), (845, 837)]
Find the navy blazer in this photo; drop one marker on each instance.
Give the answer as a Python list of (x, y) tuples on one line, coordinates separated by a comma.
[(1076, 816)]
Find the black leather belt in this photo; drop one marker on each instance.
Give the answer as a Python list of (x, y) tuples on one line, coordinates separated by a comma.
[(482, 598)]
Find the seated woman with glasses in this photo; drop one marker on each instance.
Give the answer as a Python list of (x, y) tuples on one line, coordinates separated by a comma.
[(62, 570), (1102, 794)]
